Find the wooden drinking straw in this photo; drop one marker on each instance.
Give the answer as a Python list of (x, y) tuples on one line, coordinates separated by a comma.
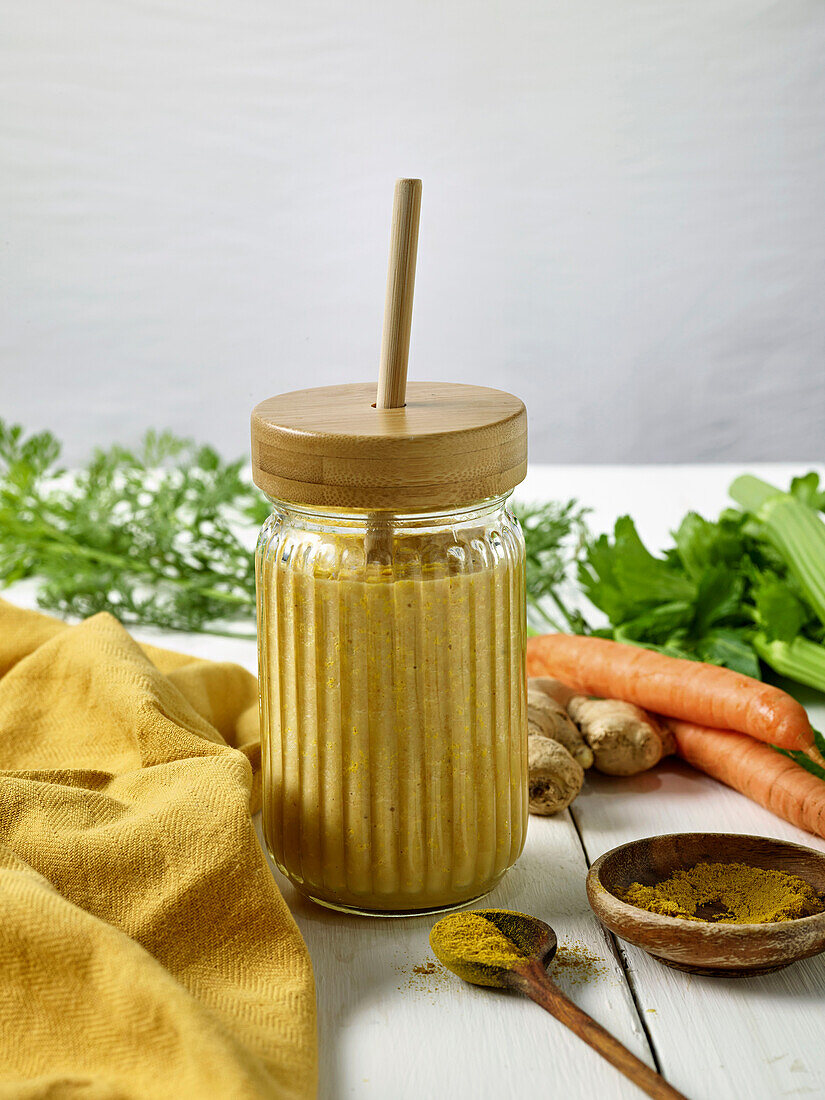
[(398, 304), (395, 339)]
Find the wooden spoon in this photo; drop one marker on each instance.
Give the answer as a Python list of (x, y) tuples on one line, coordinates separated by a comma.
[(522, 947)]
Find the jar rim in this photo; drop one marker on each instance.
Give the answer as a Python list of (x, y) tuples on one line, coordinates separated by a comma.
[(365, 515)]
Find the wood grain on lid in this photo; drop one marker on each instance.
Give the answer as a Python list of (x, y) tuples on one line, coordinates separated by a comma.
[(451, 444)]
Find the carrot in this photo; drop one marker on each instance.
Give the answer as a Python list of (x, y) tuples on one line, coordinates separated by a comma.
[(695, 692), (761, 774)]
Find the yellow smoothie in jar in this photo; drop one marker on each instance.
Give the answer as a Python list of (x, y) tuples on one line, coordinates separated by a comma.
[(393, 712)]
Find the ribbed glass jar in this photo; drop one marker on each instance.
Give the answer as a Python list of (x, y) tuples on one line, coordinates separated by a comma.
[(393, 713)]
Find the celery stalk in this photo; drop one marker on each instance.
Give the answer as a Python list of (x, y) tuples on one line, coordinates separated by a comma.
[(800, 660), (794, 529), (751, 492)]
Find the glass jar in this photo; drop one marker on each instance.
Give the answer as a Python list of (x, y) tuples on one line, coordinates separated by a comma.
[(393, 712)]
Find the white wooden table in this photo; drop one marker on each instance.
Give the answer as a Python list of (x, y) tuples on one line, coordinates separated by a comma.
[(390, 1033)]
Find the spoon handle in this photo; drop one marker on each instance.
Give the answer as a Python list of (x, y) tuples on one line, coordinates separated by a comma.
[(534, 982)]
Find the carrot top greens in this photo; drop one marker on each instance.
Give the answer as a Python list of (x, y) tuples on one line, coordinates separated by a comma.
[(153, 535)]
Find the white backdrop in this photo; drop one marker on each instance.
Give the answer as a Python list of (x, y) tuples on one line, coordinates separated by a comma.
[(622, 218)]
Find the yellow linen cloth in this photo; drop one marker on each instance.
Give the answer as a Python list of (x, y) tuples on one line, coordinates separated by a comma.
[(145, 950)]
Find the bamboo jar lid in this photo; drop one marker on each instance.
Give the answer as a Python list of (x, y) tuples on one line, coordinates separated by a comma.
[(450, 444)]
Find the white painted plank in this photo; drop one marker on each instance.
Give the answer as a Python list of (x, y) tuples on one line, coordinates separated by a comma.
[(385, 1031), (757, 1037)]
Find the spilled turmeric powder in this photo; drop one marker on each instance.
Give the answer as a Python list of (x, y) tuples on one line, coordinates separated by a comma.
[(728, 893)]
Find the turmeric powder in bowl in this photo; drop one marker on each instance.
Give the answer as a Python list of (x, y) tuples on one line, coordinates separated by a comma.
[(728, 893)]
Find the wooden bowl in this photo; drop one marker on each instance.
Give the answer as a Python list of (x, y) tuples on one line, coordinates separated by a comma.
[(726, 950)]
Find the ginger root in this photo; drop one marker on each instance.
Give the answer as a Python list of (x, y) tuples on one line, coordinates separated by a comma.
[(554, 688), (555, 777), (547, 716), (624, 738), (568, 733)]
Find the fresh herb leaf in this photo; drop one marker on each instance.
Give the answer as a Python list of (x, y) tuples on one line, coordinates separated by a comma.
[(779, 611), (622, 578), (157, 535), (731, 591), (807, 490), (700, 544), (705, 570), (730, 648), (657, 625), (555, 536), (718, 599)]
